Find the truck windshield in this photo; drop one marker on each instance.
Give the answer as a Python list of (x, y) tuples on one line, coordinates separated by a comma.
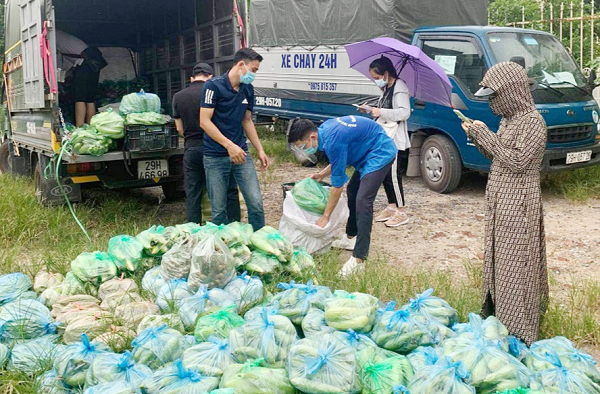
[(546, 59)]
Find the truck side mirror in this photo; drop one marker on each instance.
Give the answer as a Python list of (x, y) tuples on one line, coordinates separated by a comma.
[(592, 79)]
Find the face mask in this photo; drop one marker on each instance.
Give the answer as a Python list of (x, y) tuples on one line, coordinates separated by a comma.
[(381, 83), (311, 150), (247, 78)]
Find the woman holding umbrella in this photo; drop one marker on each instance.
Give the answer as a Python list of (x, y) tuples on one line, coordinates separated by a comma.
[(392, 112)]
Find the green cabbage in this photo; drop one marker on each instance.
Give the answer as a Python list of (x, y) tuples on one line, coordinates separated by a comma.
[(109, 124)]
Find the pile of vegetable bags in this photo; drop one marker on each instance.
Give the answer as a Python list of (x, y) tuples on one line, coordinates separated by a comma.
[(184, 309), (142, 108)]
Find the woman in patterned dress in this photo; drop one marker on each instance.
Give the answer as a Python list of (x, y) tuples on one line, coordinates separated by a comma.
[(516, 282)]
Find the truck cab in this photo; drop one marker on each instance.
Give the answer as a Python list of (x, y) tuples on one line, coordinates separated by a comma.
[(562, 96)]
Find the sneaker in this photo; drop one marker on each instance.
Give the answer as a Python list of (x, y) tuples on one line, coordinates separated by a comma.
[(351, 266), (398, 219), (344, 243), (385, 215)]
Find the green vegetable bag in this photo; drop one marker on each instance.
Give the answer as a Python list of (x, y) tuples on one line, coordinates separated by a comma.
[(139, 102), (252, 378), (351, 311), (127, 251), (311, 196), (146, 118), (271, 241), (443, 377), (218, 324), (298, 298), (210, 358), (109, 124), (86, 140), (262, 264), (156, 347), (96, 267), (380, 370), (434, 308)]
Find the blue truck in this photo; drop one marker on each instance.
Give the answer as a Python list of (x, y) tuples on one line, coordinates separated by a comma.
[(317, 83)]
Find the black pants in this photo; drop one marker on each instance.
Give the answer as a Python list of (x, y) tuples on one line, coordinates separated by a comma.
[(195, 187), (393, 181), (361, 196)]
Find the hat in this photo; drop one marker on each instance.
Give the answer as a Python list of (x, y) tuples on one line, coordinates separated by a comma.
[(202, 68)]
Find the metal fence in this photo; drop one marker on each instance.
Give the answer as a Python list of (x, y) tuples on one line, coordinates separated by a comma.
[(573, 23)]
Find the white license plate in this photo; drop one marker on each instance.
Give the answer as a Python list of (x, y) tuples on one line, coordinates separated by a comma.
[(148, 169), (579, 157)]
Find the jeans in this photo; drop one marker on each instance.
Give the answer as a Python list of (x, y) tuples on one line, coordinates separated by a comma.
[(195, 187), (219, 173), (361, 196)]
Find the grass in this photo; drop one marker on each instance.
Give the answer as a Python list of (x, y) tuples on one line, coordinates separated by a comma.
[(577, 185)]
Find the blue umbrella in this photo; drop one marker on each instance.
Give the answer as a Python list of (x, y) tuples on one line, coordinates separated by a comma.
[(426, 80)]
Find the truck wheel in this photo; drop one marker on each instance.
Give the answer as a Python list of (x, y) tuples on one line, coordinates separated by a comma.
[(40, 185), (5, 166), (173, 191), (441, 166)]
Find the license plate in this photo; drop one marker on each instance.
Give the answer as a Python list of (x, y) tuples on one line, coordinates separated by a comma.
[(148, 169), (579, 157)]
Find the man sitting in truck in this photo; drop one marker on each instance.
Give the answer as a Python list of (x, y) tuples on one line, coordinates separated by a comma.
[(226, 113), (350, 141), (82, 64), (186, 111)]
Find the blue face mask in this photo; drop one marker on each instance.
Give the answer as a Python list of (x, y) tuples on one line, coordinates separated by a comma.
[(247, 78), (310, 150)]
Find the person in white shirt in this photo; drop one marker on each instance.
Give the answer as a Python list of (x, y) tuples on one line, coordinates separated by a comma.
[(83, 63), (392, 113)]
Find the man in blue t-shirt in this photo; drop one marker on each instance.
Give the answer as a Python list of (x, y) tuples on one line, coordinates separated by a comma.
[(349, 141), (226, 118)]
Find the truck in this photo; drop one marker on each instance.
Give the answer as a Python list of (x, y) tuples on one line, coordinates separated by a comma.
[(156, 41), (306, 73)]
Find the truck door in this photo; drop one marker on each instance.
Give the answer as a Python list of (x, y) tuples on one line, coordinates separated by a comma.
[(33, 69)]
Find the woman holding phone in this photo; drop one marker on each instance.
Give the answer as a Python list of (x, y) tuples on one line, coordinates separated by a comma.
[(391, 113)]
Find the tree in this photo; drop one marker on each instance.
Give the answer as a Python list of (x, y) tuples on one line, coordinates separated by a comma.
[(503, 12)]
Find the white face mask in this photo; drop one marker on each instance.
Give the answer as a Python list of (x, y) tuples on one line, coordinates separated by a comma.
[(381, 83)]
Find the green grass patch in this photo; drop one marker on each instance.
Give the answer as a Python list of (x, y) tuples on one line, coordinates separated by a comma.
[(578, 185)]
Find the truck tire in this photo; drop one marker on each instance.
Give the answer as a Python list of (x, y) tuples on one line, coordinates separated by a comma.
[(441, 165), (5, 166), (40, 185), (173, 191)]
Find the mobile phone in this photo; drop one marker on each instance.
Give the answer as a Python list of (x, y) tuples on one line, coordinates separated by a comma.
[(462, 117)]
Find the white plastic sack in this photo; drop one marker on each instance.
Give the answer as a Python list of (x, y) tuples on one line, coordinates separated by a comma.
[(299, 226)]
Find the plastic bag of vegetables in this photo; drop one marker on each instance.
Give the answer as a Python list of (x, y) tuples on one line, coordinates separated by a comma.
[(323, 366), (44, 280), (171, 320), (245, 231), (402, 331), (109, 124), (268, 337), (218, 324), (117, 338), (270, 241), (569, 356), (434, 308), (132, 313), (176, 379), (119, 298), (117, 285), (311, 196), (246, 291), (191, 307), (33, 356), (169, 296), (228, 234), (423, 356), (25, 319), (492, 329), (252, 378), (153, 281), (86, 140), (300, 263), (96, 267), (73, 362), (50, 383), (127, 252), (559, 379), (314, 325), (491, 369), (355, 340), (156, 240), (176, 263), (91, 325), (156, 347), (139, 102), (517, 348), (210, 358), (262, 264), (297, 298), (380, 370), (146, 118), (351, 311), (112, 388), (212, 263), (443, 377), (12, 286), (113, 367), (74, 302)]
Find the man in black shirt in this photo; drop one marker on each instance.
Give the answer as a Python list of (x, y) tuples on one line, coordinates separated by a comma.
[(186, 111)]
